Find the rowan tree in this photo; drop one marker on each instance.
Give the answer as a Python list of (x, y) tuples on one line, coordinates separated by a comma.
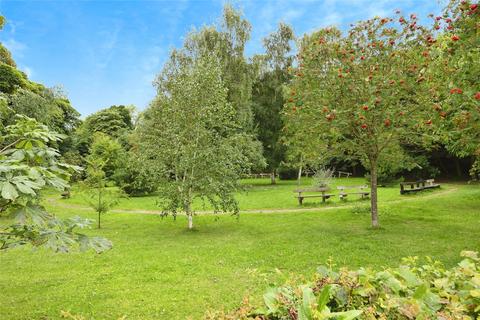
[(363, 93), (455, 78)]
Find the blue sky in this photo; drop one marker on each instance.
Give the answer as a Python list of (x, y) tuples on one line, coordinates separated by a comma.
[(108, 52)]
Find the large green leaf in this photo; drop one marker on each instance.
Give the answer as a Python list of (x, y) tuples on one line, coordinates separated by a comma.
[(8, 191), (324, 297)]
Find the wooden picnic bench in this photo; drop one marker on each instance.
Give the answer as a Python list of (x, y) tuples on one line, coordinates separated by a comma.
[(360, 190), (312, 193), (343, 173), (415, 186)]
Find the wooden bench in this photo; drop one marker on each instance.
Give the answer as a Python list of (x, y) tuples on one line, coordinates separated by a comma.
[(312, 193), (360, 190), (415, 186), (343, 173)]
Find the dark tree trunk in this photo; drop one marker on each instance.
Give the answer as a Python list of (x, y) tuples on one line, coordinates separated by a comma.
[(273, 177), (373, 191)]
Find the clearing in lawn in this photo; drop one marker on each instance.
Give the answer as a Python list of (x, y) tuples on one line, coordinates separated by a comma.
[(159, 270)]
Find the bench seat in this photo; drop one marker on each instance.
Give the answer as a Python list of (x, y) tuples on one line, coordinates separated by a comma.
[(315, 196)]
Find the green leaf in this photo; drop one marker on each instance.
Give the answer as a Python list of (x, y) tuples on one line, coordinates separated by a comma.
[(409, 276), (324, 297), (305, 309), (8, 191), (420, 292), (346, 315), (270, 300)]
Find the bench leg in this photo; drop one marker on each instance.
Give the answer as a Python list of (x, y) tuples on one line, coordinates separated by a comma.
[(300, 200)]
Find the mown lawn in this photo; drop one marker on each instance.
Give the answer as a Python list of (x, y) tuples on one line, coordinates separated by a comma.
[(159, 270), (258, 194)]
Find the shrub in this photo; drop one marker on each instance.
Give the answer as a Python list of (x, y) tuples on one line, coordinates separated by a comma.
[(411, 291), (136, 178), (285, 173), (323, 177)]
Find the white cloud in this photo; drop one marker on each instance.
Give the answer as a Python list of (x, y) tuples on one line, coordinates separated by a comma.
[(28, 71), (15, 47)]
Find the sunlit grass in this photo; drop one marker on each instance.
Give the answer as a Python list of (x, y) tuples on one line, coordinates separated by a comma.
[(159, 270)]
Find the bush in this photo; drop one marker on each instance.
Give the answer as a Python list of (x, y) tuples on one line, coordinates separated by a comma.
[(323, 177), (285, 173), (411, 291), (136, 179)]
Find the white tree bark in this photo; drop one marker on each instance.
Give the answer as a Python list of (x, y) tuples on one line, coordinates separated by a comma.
[(190, 221)]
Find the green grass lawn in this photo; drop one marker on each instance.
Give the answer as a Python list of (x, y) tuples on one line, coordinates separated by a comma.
[(159, 270), (258, 194)]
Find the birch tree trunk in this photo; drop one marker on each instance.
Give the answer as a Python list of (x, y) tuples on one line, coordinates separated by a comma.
[(190, 221)]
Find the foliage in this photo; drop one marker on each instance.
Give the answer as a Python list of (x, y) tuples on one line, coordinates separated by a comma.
[(115, 122), (226, 42), (323, 177), (194, 139), (107, 151), (137, 176), (10, 78), (411, 291), (361, 93), (456, 72), (267, 93), (97, 195), (28, 165)]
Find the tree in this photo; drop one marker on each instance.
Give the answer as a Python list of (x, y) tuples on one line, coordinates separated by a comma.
[(227, 42), (98, 196), (115, 122), (363, 93), (455, 75), (27, 166), (268, 98), (109, 152), (193, 138)]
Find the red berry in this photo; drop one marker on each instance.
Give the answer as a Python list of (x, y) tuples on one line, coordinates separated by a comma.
[(364, 126), (362, 58), (443, 114), (473, 7), (401, 20), (450, 27), (365, 108), (437, 27), (438, 18), (428, 122), (412, 16), (387, 122), (477, 96), (456, 90), (455, 37), (448, 20)]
